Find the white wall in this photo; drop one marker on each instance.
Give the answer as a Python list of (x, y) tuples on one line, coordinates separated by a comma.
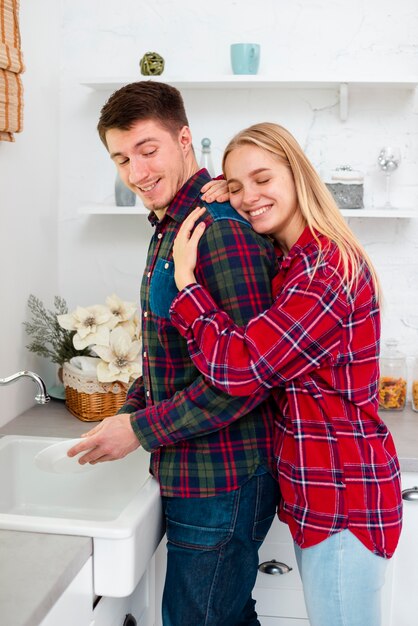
[(361, 39), (100, 38), (29, 203)]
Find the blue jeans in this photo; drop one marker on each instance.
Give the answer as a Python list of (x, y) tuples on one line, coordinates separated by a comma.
[(342, 581), (212, 554)]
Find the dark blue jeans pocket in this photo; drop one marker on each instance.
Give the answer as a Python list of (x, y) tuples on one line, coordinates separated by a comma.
[(267, 500), (162, 288), (197, 524)]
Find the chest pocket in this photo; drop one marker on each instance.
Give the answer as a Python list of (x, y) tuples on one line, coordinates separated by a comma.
[(162, 288)]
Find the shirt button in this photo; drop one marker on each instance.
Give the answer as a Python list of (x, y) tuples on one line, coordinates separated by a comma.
[(145, 355), (147, 394), (166, 266), (145, 314), (149, 274), (160, 235)]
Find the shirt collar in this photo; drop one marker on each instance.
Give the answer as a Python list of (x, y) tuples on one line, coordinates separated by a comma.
[(184, 199), (306, 239)]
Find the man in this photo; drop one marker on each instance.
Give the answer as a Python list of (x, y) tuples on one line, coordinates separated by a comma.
[(211, 454)]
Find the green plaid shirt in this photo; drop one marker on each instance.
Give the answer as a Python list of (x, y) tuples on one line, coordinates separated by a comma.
[(203, 441)]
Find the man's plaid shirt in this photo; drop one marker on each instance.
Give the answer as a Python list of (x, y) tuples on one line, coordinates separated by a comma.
[(176, 414)]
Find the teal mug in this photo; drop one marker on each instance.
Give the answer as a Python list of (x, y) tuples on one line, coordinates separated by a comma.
[(245, 58)]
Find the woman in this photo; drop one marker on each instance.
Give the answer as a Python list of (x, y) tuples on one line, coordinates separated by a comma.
[(317, 348)]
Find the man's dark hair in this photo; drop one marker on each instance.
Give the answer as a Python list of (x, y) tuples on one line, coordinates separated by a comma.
[(144, 100)]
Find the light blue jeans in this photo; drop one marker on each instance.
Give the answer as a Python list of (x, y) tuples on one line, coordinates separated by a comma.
[(342, 582)]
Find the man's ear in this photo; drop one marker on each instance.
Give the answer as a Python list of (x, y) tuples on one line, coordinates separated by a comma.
[(185, 139)]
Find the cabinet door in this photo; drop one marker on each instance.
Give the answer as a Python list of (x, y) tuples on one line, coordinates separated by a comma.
[(280, 595), (405, 561), (140, 604), (75, 604)]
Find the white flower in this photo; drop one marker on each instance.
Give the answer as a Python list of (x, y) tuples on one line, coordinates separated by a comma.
[(112, 333), (119, 360), (91, 324), (132, 326), (121, 311)]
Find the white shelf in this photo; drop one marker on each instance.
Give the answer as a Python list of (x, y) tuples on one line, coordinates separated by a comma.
[(261, 81), (380, 213), (112, 209), (95, 208), (258, 81)]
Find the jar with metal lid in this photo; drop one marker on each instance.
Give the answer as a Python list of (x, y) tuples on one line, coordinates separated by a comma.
[(392, 382), (346, 187), (415, 385)]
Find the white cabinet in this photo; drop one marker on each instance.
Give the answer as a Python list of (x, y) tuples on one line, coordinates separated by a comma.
[(405, 565), (75, 605), (78, 606), (279, 597), (139, 606)]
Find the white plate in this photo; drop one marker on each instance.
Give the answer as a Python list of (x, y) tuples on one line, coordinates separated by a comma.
[(54, 458)]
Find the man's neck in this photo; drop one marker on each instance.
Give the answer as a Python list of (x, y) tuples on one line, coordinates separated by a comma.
[(191, 169)]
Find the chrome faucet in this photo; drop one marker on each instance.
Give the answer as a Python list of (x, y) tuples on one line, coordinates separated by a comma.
[(42, 397)]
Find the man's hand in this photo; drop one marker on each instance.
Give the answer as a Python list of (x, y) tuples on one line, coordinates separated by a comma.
[(112, 439)]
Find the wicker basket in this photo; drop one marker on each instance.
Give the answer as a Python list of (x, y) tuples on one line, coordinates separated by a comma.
[(88, 399)]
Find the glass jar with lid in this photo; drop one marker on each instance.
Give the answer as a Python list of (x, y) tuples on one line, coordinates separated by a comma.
[(392, 382), (415, 385)]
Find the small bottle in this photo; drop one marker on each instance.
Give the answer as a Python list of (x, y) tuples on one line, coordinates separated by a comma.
[(206, 157), (123, 195), (415, 385), (392, 383)]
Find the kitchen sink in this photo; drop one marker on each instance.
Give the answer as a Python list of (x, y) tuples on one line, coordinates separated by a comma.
[(117, 503)]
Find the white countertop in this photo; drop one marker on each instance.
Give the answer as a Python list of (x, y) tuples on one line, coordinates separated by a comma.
[(35, 570), (404, 428)]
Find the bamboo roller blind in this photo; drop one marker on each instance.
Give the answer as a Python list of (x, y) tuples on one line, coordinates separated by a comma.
[(11, 66)]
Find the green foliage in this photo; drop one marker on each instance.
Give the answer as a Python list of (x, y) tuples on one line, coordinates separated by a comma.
[(48, 338)]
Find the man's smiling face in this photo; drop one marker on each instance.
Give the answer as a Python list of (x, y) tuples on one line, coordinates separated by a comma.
[(151, 161)]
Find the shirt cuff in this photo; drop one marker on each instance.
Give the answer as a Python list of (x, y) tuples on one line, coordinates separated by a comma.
[(150, 430), (142, 440), (189, 304)]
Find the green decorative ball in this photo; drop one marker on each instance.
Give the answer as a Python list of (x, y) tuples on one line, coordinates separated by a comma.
[(151, 64)]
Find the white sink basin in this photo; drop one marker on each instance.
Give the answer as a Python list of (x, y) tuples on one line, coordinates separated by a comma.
[(116, 503)]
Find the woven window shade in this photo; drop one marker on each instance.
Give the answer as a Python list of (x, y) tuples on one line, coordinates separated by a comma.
[(11, 66)]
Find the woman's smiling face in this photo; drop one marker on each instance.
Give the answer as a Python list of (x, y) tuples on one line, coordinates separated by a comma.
[(262, 190)]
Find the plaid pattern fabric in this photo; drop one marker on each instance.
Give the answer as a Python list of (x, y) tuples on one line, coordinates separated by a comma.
[(204, 441), (319, 348)]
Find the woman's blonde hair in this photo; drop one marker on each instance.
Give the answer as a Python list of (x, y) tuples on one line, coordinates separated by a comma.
[(315, 201)]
